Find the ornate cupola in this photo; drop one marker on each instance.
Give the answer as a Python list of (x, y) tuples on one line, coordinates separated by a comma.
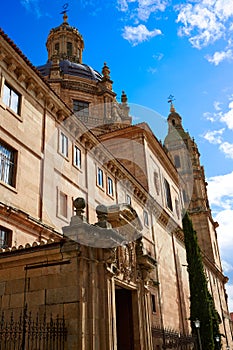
[(65, 43)]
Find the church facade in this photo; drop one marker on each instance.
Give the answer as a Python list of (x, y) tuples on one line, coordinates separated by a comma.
[(91, 211)]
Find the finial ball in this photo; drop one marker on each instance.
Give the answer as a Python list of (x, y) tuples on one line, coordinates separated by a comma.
[(79, 203)]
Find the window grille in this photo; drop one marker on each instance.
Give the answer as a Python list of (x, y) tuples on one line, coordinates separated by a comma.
[(7, 164)]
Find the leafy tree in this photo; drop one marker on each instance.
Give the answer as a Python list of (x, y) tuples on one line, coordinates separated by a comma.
[(201, 302)]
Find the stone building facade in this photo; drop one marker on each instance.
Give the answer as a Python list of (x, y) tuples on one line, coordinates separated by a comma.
[(91, 208)]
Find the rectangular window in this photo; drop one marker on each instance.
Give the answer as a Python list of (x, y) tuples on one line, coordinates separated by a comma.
[(146, 218), (110, 186), (81, 109), (8, 158), (63, 200), (69, 49), (168, 194), (128, 199), (57, 48), (77, 157), (153, 303), (11, 98), (5, 237), (100, 177), (63, 144)]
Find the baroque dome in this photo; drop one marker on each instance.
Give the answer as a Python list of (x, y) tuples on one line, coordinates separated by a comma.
[(72, 68)]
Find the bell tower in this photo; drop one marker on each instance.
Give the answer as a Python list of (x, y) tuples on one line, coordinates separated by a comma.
[(65, 43), (185, 155)]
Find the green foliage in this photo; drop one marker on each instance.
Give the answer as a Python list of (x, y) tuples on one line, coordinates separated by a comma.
[(201, 302)]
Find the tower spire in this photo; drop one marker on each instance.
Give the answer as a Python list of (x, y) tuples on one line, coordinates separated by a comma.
[(170, 100), (64, 12)]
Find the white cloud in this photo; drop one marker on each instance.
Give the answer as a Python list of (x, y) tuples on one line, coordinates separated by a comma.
[(146, 7), (220, 194), (142, 9), (227, 149), (228, 116), (32, 6), (220, 191), (227, 267), (206, 21), (225, 220), (199, 19), (122, 5), (152, 70), (220, 56), (136, 35), (209, 116), (229, 290), (158, 56), (223, 8), (217, 105), (214, 136)]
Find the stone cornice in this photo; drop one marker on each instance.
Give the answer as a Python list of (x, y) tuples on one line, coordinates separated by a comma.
[(212, 267), (139, 132), (27, 223)]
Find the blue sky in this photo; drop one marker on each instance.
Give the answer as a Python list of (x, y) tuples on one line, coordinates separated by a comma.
[(155, 48)]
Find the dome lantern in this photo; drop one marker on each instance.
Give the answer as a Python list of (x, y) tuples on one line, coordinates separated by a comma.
[(65, 43)]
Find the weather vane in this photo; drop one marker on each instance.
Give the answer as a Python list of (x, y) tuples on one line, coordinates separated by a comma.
[(65, 8), (171, 98)]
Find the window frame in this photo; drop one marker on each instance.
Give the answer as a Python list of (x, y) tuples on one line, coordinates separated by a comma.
[(12, 167), (153, 303), (9, 100), (110, 188), (128, 199), (63, 147), (146, 218), (60, 206), (168, 195), (100, 179), (78, 164), (82, 109), (69, 48), (7, 239)]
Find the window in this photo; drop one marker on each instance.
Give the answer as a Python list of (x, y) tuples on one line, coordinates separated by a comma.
[(185, 197), (146, 218), (69, 49), (168, 194), (8, 158), (100, 177), (156, 182), (177, 161), (11, 98), (81, 108), (177, 208), (56, 47), (63, 144), (77, 157), (5, 237), (110, 186), (153, 303), (63, 204), (128, 199)]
